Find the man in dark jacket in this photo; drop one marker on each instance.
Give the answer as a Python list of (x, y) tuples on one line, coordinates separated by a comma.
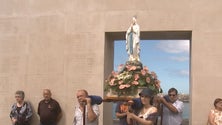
[(49, 109)]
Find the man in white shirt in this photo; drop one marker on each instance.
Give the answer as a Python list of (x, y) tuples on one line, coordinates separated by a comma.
[(91, 111), (172, 108)]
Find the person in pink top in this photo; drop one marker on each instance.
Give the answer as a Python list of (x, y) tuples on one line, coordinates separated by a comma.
[(215, 115)]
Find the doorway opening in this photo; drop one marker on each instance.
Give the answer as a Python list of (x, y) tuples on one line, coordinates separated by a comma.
[(165, 52)]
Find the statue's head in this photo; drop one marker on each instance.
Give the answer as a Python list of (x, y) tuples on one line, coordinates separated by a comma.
[(134, 19)]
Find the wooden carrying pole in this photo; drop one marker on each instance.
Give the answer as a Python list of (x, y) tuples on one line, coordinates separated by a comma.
[(84, 114), (116, 99)]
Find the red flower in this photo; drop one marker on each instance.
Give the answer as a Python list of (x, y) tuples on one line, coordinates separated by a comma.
[(157, 83), (111, 83), (120, 82), (143, 72), (121, 86), (136, 77), (153, 74), (148, 79), (124, 86), (135, 83), (114, 73), (130, 68), (146, 69), (120, 67)]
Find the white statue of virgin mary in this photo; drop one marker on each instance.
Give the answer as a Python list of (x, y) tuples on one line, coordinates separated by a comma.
[(133, 41)]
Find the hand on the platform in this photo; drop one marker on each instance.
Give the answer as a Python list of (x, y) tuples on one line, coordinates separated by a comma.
[(159, 99), (130, 102), (130, 115), (88, 100)]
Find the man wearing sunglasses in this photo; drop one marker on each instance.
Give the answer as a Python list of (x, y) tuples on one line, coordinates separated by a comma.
[(172, 108)]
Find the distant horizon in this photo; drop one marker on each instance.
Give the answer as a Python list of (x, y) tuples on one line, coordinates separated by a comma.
[(170, 59)]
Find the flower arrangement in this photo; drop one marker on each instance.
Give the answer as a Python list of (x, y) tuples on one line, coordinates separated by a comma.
[(129, 78)]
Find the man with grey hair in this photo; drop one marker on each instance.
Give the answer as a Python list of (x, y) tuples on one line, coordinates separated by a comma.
[(21, 111), (85, 113)]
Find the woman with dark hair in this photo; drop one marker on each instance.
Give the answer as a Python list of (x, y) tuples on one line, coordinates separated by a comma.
[(146, 115), (21, 111), (215, 115)]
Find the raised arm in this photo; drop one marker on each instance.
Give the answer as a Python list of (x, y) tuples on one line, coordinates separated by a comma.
[(93, 110)]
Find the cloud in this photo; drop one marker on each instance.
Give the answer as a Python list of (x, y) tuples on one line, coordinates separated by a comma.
[(174, 46), (183, 73), (180, 73), (180, 58)]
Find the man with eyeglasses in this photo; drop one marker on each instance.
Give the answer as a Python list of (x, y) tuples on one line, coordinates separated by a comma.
[(172, 108)]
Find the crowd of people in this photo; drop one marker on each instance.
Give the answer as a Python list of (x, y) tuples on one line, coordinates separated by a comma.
[(49, 110), (144, 110), (168, 107)]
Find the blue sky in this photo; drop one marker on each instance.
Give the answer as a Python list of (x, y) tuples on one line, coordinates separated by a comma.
[(168, 58)]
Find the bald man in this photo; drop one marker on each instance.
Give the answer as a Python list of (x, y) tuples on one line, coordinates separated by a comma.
[(49, 109), (91, 110)]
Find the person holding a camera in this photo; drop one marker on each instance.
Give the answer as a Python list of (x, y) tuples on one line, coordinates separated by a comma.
[(172, 108)]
